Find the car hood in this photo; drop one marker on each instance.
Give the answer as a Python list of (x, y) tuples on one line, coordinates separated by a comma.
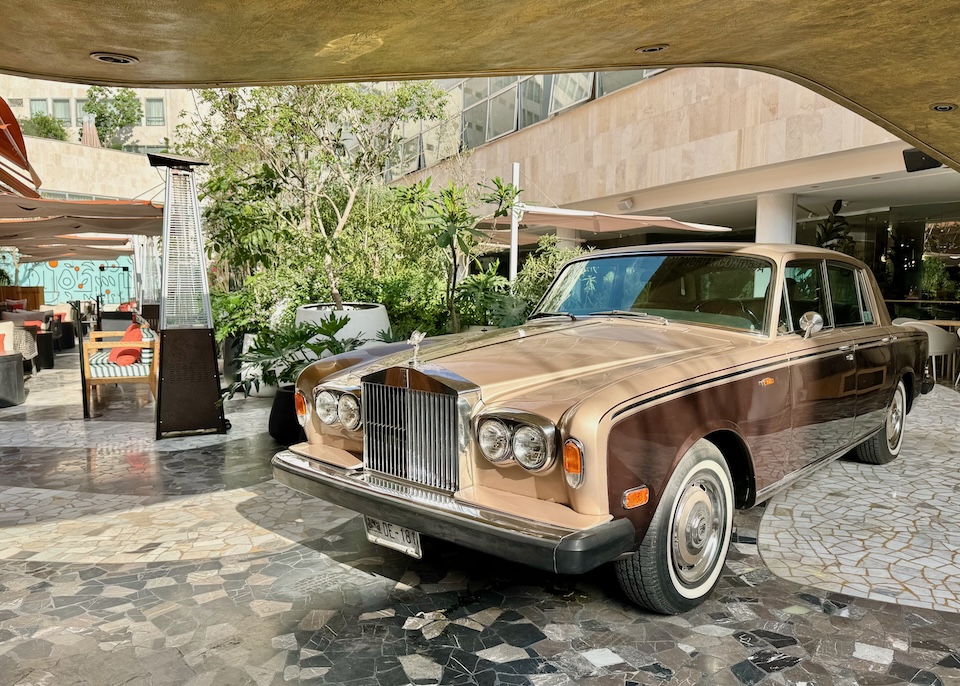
[(561, 363)]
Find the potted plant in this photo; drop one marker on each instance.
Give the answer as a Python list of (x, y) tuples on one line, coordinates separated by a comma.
[(234, 315), (278, 356)]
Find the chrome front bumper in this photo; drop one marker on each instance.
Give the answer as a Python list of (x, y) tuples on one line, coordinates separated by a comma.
[(544, 546)]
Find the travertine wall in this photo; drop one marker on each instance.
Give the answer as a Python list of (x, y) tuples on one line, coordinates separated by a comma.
[(682, 125), (75, 168)]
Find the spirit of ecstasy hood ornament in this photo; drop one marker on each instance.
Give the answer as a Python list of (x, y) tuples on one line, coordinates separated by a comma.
[(415, 339)]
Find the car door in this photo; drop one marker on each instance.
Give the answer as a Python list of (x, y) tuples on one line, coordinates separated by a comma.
[(822, 370), (855, 311)]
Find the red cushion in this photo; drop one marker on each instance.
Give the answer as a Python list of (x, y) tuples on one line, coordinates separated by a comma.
[(3, 345), (34, 322), (127, 356), (59, 316)]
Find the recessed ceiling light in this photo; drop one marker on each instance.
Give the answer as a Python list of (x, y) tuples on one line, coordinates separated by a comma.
[(874, 177), (659, 47), (113, 58), (814, 186), (943, 107)]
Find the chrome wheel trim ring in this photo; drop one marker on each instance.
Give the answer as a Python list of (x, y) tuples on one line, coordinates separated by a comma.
[(697, 534), (895, 416)]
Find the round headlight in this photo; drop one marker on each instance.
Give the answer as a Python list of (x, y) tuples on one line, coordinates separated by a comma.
[(349, 411), (494, 439), (530, 447), (326, 404)]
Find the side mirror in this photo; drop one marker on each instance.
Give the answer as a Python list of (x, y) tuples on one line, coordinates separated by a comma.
[(810, 323)]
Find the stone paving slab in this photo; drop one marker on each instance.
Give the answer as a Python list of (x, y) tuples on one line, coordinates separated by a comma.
[(316, 603), (886, 532)]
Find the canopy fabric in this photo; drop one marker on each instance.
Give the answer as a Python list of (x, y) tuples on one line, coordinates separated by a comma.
[(533, 218), (14, 207), (73, 253), (16, 174), (55, 226), (598, 222)]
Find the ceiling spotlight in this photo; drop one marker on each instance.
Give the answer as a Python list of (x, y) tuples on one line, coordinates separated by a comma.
[(625, 204), (943, 107), (113, 58), (814, 186), (647, 49)]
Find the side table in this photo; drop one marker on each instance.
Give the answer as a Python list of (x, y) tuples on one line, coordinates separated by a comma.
[(45, 350), (11, 379), (67, 336)]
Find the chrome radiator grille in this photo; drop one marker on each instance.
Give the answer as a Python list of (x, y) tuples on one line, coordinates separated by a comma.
[(411, 434)]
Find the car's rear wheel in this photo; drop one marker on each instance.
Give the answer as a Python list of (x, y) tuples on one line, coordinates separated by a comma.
[(680, 559), (884, 446)]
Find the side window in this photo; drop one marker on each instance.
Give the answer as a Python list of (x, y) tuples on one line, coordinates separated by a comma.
[(844, 295), (864, 283), (803, 280)]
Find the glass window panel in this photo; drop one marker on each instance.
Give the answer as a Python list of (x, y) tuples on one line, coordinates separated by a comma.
[(498, 83), (474, 90), (81, 113), (570, 89), (38, 107), (611, 81), (409, 156), (534, 104), (441, 142), (503, 114), (804, 281), (154, 111), (844, 295), (61, 111), (475, 126)]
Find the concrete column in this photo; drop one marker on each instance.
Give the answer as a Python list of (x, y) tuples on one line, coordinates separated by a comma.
[(776, 218), (567, 238)]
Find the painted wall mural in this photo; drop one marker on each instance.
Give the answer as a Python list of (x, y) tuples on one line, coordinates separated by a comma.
[(65, 280)]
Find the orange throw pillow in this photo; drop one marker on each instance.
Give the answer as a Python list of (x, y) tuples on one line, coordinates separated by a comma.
[(3, 345), (127, 356)]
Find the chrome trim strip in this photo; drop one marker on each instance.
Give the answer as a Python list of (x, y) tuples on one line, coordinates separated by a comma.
[(427, 500)]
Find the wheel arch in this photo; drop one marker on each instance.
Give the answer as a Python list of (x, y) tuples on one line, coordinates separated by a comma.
[(734, 450)]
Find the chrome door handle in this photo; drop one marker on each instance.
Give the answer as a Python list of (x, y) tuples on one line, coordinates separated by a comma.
[(845, 347), (850, 356), (887, 339)]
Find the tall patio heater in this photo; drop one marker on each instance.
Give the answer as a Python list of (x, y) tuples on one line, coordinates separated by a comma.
[(189, 383)]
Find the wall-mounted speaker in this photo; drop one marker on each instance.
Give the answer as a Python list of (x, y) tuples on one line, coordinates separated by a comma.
[(917, 160)]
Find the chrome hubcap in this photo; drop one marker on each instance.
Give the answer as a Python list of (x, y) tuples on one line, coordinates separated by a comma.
[(698, 528), (895, 414)]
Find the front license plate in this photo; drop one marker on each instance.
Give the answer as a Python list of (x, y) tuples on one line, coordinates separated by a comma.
[(393, 536)]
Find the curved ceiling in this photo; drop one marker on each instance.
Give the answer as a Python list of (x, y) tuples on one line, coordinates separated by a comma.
[(889, 61)]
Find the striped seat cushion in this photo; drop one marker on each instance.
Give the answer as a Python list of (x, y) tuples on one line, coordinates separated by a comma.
[(146, 356), (100, 357), (109, 370)]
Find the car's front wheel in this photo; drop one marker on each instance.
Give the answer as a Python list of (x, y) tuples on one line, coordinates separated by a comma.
[(680, 559), (884, 446)]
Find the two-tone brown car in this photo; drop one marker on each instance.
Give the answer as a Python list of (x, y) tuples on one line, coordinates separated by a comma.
[(652, 392)]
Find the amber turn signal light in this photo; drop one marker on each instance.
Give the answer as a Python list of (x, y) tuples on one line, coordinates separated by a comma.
[(636, 497), (300, 403), (573, 462)]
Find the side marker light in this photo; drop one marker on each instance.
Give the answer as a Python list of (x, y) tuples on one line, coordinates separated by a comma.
[(636, 497)]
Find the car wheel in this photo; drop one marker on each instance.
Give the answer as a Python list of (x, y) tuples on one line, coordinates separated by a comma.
[(884, 446), (680, 559)]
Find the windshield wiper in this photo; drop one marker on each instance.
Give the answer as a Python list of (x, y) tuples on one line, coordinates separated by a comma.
[(538, 315), (628, 313)]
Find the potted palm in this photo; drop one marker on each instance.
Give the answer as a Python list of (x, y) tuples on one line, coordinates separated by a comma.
[(278, 356)]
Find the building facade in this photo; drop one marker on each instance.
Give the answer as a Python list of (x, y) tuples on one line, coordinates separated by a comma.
[(732, 147)]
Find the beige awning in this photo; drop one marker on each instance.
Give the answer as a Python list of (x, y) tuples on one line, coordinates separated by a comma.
[(535, 220), (67, 252), (55, 226)]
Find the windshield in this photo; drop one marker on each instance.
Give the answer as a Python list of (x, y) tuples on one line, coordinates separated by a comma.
[(718, 290)]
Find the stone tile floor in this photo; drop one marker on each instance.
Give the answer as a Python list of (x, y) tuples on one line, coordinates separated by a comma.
[(129, 561)]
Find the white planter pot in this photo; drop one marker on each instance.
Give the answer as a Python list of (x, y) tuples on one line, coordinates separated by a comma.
[(249, 372), (366, 319)]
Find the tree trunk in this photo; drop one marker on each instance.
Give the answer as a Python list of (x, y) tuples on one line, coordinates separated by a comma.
[(334, 281)]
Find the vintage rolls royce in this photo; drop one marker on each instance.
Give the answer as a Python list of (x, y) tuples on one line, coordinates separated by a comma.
[(651, 392)]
